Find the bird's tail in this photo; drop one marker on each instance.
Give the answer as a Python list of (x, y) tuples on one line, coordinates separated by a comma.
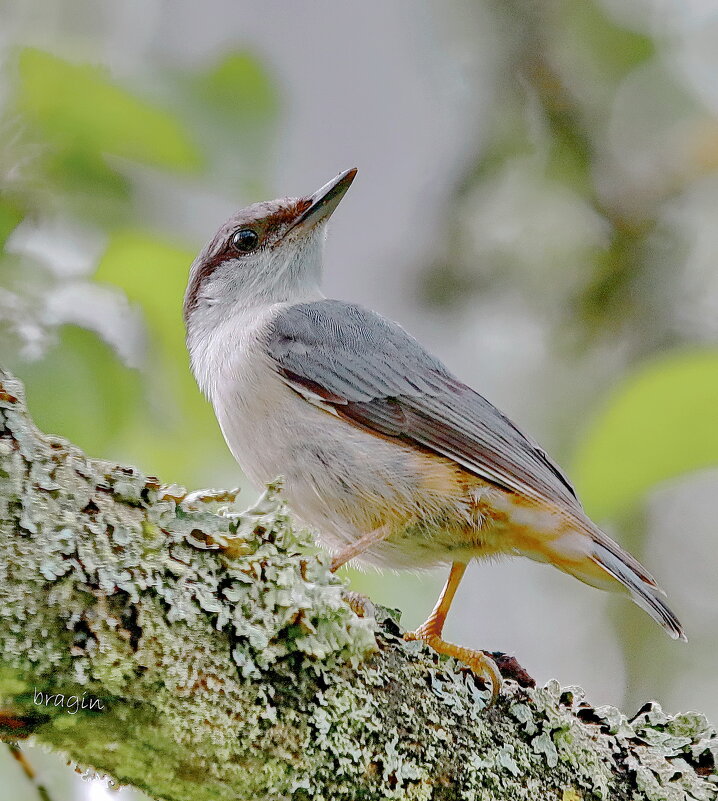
[(571, 542), (607, 566), (640, 585)]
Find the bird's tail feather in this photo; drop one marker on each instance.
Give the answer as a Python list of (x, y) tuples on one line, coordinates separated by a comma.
[(580, 548), (641, 586)]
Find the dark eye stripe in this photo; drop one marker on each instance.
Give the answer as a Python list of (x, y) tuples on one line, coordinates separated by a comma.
[(269, 218)]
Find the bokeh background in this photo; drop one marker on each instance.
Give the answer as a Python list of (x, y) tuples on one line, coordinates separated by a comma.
[(537, 200)]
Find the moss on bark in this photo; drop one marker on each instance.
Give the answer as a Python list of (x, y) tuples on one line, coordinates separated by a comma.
[(201, 655)]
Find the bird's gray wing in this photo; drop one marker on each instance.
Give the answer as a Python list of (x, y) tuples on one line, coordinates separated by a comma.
[(369, 371)]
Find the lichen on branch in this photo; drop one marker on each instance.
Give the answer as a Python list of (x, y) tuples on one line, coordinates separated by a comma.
[(226, 664)]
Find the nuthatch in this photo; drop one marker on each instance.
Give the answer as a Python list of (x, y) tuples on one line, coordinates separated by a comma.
[(386, 454)]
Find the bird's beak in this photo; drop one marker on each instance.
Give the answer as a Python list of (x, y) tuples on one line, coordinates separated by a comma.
[(323, 202)]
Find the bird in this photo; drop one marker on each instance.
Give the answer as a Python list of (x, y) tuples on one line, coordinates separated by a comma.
[(387, 455)]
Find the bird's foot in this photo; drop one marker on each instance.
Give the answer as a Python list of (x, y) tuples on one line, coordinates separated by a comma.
[(481, 664)]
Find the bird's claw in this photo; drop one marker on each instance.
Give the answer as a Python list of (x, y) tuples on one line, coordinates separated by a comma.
[(478, 662)]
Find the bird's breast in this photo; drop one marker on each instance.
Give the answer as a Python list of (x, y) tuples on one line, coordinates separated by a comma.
[(253, 408), (341, 479)]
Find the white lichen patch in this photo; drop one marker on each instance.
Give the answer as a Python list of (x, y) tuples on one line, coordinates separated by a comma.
[(229, 665)]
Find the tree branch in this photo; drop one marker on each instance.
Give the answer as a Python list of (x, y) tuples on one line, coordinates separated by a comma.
[(198, 655)]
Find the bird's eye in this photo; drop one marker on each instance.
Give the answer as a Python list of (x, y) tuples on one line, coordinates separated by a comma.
[(245, 240)]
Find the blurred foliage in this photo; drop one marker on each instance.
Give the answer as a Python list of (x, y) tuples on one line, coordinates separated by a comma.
[(153, 275), (53, 780), (657, 424), (81, 139), (551, 213), (238, 105), (611, 50), (78, 109), (572, 214), (81, 389), (10, 218), (554, 108)]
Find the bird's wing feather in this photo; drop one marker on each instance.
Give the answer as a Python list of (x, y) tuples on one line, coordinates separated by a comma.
[(369, 371)]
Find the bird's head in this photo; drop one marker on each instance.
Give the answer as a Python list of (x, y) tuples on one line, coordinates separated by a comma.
[(266, 253)]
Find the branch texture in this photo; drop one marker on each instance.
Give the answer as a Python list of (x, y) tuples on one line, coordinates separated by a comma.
[(203, 656)]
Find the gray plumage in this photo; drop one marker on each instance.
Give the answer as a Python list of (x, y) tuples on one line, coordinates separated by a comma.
[(374, 373), (370, 371)]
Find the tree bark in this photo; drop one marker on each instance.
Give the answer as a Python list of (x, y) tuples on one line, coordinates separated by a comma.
[(203, 656)]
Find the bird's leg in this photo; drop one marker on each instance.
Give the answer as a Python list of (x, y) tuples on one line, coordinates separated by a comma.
[(434, 624), (430, 632), (359, 546), (359, 603)]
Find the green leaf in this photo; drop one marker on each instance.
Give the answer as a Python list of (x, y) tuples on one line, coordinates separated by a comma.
[(659, 423), (80, 390), (234, 105), (78, 170), (77, 106), (614, 50), (152, 273), (10, 217), (240, 87), (178, 435)]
